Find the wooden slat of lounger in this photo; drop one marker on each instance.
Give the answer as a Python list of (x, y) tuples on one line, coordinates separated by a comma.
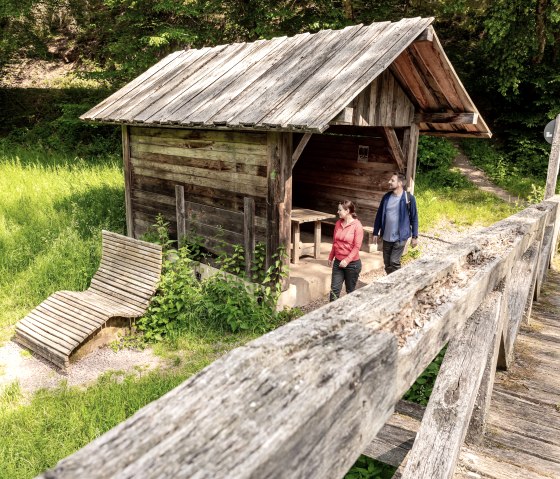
[(113, 306), (122, 307), (128, 282), (40, 337), (61, 360), (134, 256), (152, 257), (130, 262), (56, 328), (121, 270), (36, 321), (99, 284), (88, 316), (142, 294), (109, 235), (109, 262), (50, 308), (84, 300)]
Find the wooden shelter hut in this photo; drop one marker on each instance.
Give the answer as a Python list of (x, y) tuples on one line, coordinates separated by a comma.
[(301, 121)]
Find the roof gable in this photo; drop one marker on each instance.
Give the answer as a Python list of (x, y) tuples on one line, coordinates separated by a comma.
[(288, 83)]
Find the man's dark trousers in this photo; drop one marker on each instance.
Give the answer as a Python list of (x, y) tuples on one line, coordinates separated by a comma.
[(392, 252)]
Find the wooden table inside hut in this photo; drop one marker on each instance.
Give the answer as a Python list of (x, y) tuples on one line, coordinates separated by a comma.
[(303, 215)]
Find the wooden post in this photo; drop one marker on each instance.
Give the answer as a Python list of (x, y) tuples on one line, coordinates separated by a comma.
[(444, 426), (127, 166), (553, 162), (273, 174), (249, 233), (410, 151), (181, 214)]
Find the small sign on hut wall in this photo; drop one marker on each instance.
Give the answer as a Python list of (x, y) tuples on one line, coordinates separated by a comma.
[(363, 154)]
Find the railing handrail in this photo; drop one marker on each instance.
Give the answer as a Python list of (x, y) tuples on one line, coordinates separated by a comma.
[(305, 399)]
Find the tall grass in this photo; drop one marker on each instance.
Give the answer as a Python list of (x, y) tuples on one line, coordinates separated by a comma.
[(52, 209)]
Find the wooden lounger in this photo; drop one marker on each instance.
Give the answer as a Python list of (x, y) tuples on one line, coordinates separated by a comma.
[(122, 288)]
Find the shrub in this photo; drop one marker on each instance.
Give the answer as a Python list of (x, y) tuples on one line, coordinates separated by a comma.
[(435, 153)]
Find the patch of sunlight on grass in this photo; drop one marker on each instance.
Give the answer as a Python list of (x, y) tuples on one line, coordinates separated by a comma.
[(461, 207)]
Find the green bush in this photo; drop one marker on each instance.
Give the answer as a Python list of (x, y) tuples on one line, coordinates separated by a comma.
[(435, 153)]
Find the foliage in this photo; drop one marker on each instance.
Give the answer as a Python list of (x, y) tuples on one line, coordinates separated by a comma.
[(435, 153), (52, 211), (368, 468), (514, 176), (422, 388)]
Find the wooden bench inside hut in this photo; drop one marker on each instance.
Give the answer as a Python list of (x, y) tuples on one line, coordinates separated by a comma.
[(249, 132)]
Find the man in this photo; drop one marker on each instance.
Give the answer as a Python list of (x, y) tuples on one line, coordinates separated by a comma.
[(395, 222)]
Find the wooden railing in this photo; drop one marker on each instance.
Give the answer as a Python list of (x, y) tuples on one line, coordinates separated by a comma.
[(306, 399)]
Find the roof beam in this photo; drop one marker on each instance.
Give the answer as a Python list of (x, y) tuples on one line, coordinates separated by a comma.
[(449, 118), (426, 36), (394, 147)]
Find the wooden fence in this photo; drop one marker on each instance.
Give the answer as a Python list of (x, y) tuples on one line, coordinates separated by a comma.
[(306, 399)]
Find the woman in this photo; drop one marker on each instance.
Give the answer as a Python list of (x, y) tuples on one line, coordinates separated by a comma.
[(345, 252)]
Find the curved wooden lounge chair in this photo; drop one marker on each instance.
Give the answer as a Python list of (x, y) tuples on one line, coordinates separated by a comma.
[(121, 288)]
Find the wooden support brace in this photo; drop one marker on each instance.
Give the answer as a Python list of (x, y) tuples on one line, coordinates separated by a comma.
[(444, 426), (298, 151), (394, 147), (127, 181)]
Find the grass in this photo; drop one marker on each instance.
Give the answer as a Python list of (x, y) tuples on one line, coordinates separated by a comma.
[(35, 434), (459, 207), (52, 210)]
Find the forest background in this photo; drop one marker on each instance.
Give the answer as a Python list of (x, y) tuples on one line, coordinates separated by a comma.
[(506, 52)]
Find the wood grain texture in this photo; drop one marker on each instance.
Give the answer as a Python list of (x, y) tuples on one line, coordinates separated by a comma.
[(289, 371)]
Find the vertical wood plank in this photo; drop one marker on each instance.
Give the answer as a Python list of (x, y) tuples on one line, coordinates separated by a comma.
[(181, 214), (249, 233), (285, 201), (410, 151), (553, 162), (128, 174), (274, 175), (317, 238)]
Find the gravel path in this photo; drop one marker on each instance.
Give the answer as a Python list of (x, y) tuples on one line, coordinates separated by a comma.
[(33, 373)]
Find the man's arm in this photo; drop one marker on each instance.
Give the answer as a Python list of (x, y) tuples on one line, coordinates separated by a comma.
[(413, 221)]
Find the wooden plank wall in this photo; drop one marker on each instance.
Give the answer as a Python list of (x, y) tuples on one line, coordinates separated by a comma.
[(328, 172), (217, 169), (383, 103)]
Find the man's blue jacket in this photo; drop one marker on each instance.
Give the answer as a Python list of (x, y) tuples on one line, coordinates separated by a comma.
[(408, 223)]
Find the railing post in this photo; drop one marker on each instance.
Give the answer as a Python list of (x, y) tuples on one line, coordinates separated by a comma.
[(553, 162), (181, 214), (249, 233)]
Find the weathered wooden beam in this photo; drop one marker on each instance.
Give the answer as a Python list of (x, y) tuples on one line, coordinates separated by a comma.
[(274, 192), (299, 149), (128, 173), (410, 152), (394, 147), (448, 118), (302, 401), (444, 426), (477, 426), (457, 134), (249, 234), (426, 36), (553, 162), (181, 214), (344, 117)]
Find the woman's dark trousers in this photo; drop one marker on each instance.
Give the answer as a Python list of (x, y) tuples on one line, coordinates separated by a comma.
[(348, 275), (392, 253)]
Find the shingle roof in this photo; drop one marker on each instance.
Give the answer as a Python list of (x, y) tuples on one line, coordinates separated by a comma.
[(300, 82)]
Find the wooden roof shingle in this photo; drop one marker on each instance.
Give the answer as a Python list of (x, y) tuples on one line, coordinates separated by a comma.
[(287, 83)]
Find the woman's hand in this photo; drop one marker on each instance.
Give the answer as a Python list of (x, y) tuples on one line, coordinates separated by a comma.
[(329, 262), (343, 263)]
